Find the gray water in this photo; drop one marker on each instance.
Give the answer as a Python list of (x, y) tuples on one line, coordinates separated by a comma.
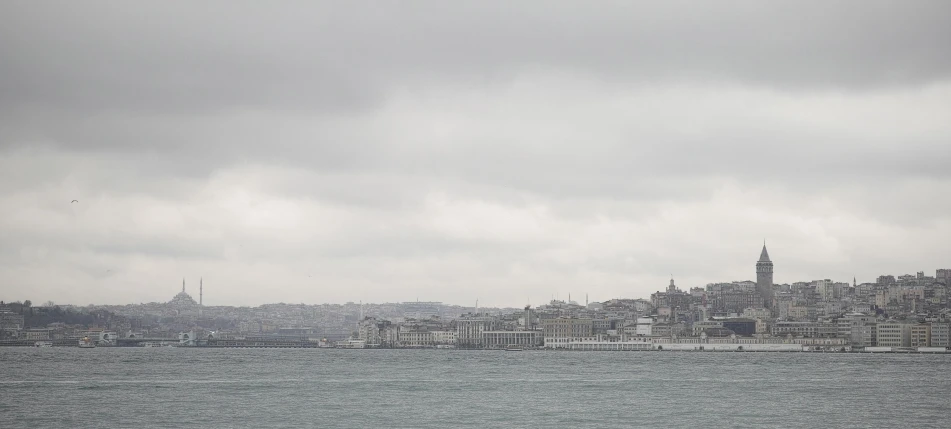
[(255, 388)]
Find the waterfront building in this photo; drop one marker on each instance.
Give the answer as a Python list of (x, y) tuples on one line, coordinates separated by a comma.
[(805, 329), (601, 344), (11, 323), (469, 329), (501, 339), (850, 326), (567, 328), (37, 334), (921, 335), (893, 333), (865, 335), (826, 342), (527, 321), (443, 337), (416, 338), (389, 334), (940, 333), (369, 331)]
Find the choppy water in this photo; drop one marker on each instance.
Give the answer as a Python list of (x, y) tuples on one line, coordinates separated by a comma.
[(256, 388)]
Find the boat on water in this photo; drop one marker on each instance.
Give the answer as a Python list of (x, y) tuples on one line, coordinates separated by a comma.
[(513, 348), (151, 344), (86, 343), (43, 344), (351, 344)]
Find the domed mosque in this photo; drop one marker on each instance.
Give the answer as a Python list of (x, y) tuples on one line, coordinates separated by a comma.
[(183, 301)]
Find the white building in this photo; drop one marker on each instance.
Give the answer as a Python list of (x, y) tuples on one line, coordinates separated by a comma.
[(444, 337), (501, 339), (643, 327)]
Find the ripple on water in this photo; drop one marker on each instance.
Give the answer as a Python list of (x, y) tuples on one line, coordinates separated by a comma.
[(435, 389)]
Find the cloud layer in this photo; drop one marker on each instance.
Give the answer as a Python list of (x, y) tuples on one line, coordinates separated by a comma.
[(454, 151)]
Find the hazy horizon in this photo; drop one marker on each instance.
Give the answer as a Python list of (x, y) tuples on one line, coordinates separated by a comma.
[(334, 152)]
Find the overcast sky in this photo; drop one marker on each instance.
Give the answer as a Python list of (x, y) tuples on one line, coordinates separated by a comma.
[(453, 151)]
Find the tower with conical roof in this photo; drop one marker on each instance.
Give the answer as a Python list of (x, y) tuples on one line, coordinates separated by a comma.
[(764, 277)]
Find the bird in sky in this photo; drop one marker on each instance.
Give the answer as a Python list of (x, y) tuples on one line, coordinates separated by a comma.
[(74, 201)]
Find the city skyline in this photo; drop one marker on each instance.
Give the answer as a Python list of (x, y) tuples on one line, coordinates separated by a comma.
[(764, 287), (435, 213)]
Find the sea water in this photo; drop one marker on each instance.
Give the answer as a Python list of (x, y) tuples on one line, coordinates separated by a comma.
[(275, 388)]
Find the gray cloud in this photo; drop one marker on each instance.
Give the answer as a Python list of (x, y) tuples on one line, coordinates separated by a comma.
[(384, 151), (332, 56)]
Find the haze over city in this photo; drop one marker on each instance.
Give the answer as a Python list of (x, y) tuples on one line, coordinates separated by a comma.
[(334, 152)]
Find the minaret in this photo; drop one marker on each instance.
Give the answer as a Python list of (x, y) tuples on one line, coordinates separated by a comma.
[(764, 277), (183, 285), (201, 292)]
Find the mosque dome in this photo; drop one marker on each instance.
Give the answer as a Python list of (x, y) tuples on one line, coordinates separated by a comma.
[(183, 299)]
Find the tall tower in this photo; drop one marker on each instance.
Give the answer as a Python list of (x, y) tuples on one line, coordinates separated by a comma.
[(201, 293), (183, 285), (764, 277)]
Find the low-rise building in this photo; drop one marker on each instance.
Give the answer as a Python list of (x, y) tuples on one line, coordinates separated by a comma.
[(501, 339), (444, 337), (37, 334), (805, 329)]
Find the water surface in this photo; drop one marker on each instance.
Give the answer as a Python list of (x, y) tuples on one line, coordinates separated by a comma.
[(252, 388)]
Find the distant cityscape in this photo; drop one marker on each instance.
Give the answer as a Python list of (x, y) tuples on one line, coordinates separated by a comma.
[(905, 313)]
